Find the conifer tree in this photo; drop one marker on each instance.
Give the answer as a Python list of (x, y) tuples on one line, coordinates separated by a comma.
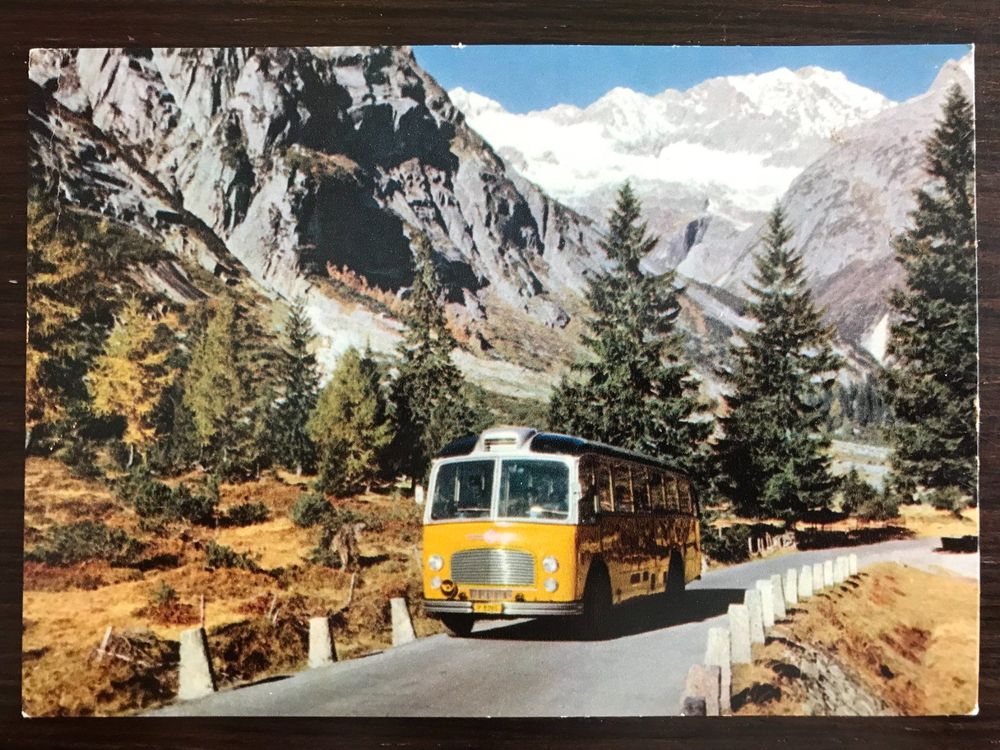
[(636, 390), (298, 382), (773, 453), (932, 388), (129, 377), (350, 425), (225, 390), (429, 401)]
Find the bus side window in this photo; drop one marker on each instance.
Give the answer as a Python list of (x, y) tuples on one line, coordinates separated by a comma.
[(685, 493), (623, 489), (640, 488), (656, 490), (589, 472), (670, 491), (604, 497)]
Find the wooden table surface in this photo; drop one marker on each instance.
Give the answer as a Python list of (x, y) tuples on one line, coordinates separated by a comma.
[(65, 23)]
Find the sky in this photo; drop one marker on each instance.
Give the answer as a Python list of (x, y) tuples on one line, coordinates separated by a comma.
[(526, 78)]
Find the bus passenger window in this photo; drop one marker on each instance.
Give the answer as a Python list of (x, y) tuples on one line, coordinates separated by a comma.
[(640, 488), (623, 489), (685, 493), (670, 490), (588, 489), (604, 501), (656, 490)]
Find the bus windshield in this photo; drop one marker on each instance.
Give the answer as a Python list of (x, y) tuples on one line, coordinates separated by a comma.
[(533, 489), (463, 490)]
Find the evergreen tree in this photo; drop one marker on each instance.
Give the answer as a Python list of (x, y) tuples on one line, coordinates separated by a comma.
[(773, 454), (636, 390), (226, 389), (298, 382), (350, 425), (129, 377), (429, 402), (933, 387)]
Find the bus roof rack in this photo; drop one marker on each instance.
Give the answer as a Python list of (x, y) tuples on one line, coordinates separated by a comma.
[(525, 438)]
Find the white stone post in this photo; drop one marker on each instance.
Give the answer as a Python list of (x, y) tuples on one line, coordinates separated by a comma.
[(739, 634), (791, 588), (779, 597), (195, 678), (817, 577), (827, 573), (805, 582), (751, 598), (701, 691), (766, 592), (717, 654), (852, 564), (402, 626), (321, 648)]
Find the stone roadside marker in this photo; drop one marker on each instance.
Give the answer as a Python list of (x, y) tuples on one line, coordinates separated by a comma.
[(827, 573), (805, 582), (717, 655), (402, 626), (840, 569), (766, 591), (779, 597), (702, 685), (692, 706), (818, 577), (751, 598), (791, 588), (195, 678), (739, 634), (852, 564), (321, 648)]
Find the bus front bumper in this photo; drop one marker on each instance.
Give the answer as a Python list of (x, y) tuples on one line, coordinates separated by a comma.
[(509, 609)]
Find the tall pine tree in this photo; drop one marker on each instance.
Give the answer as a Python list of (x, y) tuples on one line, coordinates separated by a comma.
[(350, 425), (773, 454), (636, 389), (129, 377), (932, 388), (429, 400), (298, 382)]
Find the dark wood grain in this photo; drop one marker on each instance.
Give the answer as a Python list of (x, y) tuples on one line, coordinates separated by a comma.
[(65, 23)]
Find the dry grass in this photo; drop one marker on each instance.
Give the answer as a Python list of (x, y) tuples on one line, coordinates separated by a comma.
[(909, 637), (66, 609)]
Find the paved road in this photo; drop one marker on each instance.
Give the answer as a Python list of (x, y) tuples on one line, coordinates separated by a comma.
[(528, 668)]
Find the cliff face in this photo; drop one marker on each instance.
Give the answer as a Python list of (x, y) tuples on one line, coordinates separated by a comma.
[(282, 163)]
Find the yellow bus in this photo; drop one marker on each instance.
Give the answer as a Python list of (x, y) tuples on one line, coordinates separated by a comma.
[(522, 523)]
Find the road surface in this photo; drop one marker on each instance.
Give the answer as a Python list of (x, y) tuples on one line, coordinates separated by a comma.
[(529, 668)]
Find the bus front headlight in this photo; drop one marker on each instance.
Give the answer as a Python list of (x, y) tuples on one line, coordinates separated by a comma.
[(436, 582), (435, 563), (550, 564), (551, 585)]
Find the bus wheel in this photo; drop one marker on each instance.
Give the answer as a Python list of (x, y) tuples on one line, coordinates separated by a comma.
[(596, 621), (458, 626), (675, 581)]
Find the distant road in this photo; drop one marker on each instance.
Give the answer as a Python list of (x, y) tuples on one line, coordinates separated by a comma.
[(527, 668)]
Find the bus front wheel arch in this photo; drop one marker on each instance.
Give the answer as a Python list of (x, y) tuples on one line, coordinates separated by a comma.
[(595, 623)]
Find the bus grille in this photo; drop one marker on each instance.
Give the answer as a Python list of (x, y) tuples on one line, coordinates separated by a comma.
[(493, 567)]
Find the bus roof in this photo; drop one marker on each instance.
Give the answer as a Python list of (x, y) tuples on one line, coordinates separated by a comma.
[(529, 440)]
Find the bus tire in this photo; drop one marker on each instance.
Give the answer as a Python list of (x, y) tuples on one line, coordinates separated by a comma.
[(458, 626), (596, 621), (673, 594)]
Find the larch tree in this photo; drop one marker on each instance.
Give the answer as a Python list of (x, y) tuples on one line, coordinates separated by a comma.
[(429, 400), (932, 382), (773, 454), (130, 375), (350, 425), (636, 389), (297, 381)]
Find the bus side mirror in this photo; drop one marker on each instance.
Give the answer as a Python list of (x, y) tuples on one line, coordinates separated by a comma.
[(418, 494)]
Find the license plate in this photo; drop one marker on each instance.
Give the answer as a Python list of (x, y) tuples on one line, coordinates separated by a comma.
[(488, 608)]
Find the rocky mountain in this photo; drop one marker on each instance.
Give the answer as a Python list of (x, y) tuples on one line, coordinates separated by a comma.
[(300, 169), (845, 208)]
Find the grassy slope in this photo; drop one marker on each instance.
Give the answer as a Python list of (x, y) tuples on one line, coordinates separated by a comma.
[(66, 610)]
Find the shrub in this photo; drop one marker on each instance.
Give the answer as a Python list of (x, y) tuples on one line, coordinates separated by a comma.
[(857, 493), (163, 594), (246, 514), (155, 501), (949, 499), (85, 540), (310, 509), (880, 506), (726, 545), (220, 556), (197, 508)]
